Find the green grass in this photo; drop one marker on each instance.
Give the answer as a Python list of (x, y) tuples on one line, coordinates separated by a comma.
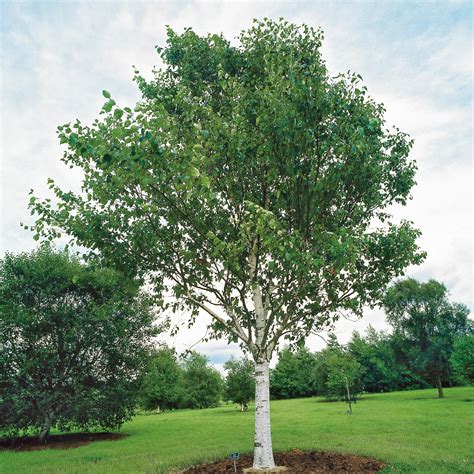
[(411, 431)]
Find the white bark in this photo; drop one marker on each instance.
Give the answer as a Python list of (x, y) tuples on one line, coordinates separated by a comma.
[(263, 450)]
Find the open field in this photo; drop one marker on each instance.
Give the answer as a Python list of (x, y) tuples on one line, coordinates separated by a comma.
[(411, 431)]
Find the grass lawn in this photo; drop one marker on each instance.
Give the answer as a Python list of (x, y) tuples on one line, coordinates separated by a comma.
[(411, 431)]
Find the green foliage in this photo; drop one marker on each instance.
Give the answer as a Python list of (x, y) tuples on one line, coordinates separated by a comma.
[(335, 370), (73, 342), (239, 381), (244, 170), (462, 359), (201, 384), (161, 386), (292, 377), (374, 363), (343, 375), (426, 324), (383, 367)]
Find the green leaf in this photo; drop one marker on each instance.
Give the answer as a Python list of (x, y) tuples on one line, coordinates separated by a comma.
[(106, 94), (373, 123), (118, 113), (194, 172), (108, 105)]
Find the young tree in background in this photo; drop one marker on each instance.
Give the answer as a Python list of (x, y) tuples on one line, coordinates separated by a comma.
[(343, 376), (201, 385), (293, 375), (239, 381), (427, 323), (161, 385), (337, 374), (249, 181), (74, 341)]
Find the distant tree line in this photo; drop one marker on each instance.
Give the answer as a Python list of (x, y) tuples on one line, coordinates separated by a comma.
[(171, 383), (374, 362), (190, 381), (432, 344)]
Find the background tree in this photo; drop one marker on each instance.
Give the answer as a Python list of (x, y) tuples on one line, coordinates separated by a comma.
[(382, 369), (427, 323), (412, 377), (250, 182), (239, 381), (293, 375), (343, 377), (337, 374), (462, 359), (201, 384), (73, 343), (161, 385)]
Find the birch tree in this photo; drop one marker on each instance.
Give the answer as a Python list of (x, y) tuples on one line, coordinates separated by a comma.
[(249, 183)]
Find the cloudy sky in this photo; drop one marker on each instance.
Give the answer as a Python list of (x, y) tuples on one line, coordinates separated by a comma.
[(415, 57)]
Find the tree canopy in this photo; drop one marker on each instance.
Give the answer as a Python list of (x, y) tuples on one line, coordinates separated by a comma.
[(244, 166), (384, 367)]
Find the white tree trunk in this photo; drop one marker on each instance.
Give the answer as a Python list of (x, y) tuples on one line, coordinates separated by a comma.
[(263, 450)]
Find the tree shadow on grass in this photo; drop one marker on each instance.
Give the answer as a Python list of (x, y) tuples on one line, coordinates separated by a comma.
[(57, 441), (362, 399)]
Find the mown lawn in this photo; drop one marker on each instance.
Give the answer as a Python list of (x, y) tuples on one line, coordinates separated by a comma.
[(411, 431)]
